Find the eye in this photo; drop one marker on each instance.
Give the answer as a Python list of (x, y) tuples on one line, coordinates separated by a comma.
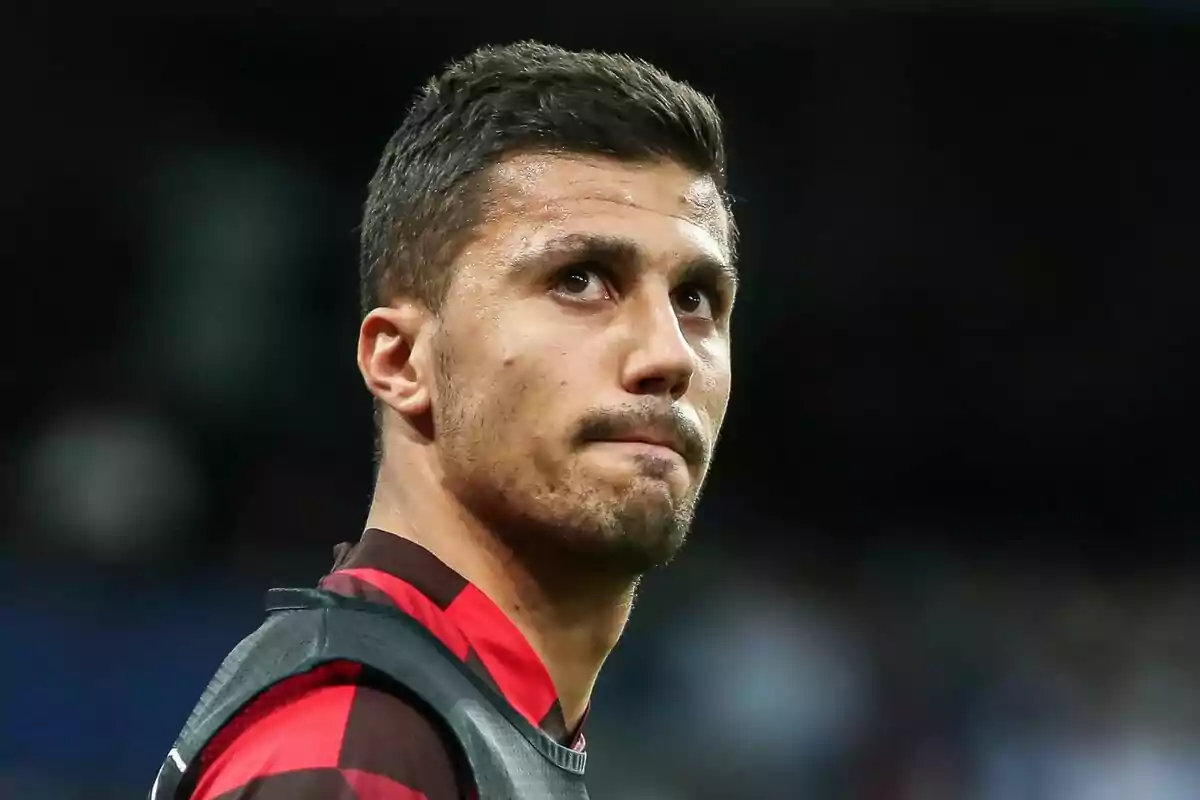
[(693, 301), (582, 283)]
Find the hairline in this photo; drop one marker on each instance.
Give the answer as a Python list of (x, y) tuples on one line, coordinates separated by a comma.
[(476, 188)]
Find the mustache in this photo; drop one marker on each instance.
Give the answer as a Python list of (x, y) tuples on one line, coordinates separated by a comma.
[(669, 422)]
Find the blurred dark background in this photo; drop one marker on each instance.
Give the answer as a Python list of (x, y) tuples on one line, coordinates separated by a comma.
[(948, 549)]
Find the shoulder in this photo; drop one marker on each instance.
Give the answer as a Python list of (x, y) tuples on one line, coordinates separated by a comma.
[(329, 741)]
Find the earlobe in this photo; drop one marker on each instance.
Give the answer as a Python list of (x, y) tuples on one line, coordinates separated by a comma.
[(393, 345)]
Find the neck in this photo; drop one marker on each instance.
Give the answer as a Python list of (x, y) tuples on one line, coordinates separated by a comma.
[(570, 617)]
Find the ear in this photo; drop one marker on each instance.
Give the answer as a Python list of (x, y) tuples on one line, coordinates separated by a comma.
[(394, 358)]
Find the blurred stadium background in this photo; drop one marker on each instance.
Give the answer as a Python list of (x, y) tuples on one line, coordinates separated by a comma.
[(949, 551)]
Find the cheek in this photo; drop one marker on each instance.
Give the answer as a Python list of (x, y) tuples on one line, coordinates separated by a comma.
[(523, 397), (711, 387), (550, 397), (526, 381), (713, 374)]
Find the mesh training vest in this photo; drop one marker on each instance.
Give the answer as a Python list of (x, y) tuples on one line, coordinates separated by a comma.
[(498, 750)]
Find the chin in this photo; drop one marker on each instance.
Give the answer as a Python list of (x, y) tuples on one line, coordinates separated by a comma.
[(659, 486), (606, 520), (644, 530), (637, 555)]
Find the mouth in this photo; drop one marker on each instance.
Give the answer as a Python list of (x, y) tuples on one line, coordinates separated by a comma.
[(661, 447), (661, 436)]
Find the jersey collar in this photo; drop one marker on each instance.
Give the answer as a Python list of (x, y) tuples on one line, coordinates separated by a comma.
[(388, 569)]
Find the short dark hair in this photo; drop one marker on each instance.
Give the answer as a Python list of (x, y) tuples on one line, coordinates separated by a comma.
[(427, 193)]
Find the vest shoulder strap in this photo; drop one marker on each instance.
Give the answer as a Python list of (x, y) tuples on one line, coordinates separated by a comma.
[(307, 628)]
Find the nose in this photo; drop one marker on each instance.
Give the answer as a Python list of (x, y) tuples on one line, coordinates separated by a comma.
[(660, 360)]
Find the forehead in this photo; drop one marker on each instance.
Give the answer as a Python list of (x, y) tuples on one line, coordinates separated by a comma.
[(532, 195)]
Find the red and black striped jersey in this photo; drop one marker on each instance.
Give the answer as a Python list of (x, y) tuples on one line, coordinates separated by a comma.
[(322, 736)]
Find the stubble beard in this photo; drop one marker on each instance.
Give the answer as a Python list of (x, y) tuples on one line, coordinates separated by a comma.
[(557, 517)]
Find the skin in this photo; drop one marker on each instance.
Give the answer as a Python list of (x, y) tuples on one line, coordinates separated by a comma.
[(590, 309)]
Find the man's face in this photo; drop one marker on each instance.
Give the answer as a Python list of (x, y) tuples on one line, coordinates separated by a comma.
[(583, 365)]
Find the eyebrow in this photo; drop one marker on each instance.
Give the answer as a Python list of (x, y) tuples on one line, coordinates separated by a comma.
[(609, 249)]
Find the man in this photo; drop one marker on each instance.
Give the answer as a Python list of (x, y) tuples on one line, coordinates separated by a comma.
[(547, 269)]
